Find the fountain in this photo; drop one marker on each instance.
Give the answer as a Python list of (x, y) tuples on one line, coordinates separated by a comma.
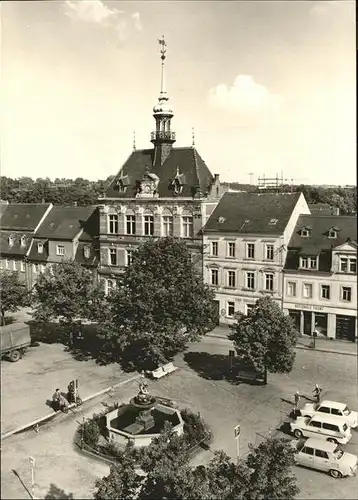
[(142, 419)]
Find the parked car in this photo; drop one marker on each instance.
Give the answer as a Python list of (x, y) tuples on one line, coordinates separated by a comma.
[(15, 339), (322, 426), (331, 408), (328, 457)]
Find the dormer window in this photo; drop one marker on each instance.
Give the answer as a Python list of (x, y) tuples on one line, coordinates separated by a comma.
[(11, 240), (305, 232), (23, 241), (273, 222), (332, 233), (221, 220), (309, 262), (87, 252), (40, 247)]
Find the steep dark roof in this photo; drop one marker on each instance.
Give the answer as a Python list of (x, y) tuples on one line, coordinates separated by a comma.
[(190, 164), (249, 213), (63, 223), (318, 243), (16, 249), (23, 216), (35, 255), (92, 260)]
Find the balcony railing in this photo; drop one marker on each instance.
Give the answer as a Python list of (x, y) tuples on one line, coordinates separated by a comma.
[(162, 136)]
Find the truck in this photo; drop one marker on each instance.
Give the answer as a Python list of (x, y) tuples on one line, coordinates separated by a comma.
[(15, 339)]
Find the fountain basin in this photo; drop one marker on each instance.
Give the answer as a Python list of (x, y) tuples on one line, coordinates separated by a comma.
[(132, 423)]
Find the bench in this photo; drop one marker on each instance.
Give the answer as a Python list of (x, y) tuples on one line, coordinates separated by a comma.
[(161, 371)]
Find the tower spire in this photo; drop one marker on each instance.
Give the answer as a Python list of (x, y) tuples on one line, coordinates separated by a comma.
[(134, 145), (163, 50), (193, 136)]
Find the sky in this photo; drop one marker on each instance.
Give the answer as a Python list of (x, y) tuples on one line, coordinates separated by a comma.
[(269, 87)]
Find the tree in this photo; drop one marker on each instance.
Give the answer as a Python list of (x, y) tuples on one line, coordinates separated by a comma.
[(122, 481), (271, 475), (13, 294), (159, 305), (265, 338), (67, 292)]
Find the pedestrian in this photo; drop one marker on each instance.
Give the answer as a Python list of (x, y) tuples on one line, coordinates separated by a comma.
[(296, 398), (317, 393)]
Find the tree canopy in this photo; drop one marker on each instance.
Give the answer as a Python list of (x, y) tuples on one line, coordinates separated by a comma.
[(67, 291), (266, 473), (13, 293), (265, 338), (160, 304)]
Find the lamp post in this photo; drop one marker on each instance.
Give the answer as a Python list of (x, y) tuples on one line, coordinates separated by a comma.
[(237, 432), (32, 465)]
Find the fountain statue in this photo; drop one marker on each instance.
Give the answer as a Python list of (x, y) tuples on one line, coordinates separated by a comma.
[(143, 399)]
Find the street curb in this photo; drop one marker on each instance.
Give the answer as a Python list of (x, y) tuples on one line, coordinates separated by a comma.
[(72, 405), (296, 347)]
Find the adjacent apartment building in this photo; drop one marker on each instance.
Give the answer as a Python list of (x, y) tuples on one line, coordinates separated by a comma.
[(18, 224), (161, 191), (320, 276), (35, 236), (245, 245)]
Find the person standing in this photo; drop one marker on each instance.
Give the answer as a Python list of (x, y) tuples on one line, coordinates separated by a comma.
[(317, 393), (296, 398)]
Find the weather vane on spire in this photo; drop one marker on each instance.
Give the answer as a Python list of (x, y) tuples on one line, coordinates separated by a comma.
[(163, 50)]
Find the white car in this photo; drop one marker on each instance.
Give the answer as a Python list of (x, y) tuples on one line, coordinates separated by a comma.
[(325, 456), (321, 426), (331, 408)]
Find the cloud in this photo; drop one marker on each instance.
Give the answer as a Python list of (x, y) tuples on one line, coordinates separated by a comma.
[(90, 11), (137, 21), (246, 96)]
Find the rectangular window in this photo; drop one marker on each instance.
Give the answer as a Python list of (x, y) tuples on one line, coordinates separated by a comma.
[(346, 293), (325, 292), (129, 257), (112, 256), (249, 308), (231, 279), (214, 277), (269, 281), (250, 280), (291, 289), (187, 227), (35, 268), (22, 266), (14, 265), (214, 248), (230, 309), (113, 224), (6, 263), (308, 262), (130, 224), (149, 225), (167, 225), (348, 265), (269, 252), (307, 290), (43, 268), (250, 250), (40, 247), (231, 249), (60, 250)]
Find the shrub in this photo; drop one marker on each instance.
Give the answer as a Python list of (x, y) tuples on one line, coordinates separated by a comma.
[(195, 429), (112, 449), (90, 433)]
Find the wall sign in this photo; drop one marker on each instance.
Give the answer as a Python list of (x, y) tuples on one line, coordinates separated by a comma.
[(223, 312), (308, 307)]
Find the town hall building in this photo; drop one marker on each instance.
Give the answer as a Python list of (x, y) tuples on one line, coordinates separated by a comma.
[(158, 192)]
